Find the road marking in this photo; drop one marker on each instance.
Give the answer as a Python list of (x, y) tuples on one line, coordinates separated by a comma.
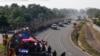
[(45, 38), (62, 46)]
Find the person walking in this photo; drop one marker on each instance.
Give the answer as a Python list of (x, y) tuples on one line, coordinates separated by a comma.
[(63, 54), (49, 50), (54, 53)]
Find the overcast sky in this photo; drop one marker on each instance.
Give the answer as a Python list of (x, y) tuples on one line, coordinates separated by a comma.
[(76, 4)]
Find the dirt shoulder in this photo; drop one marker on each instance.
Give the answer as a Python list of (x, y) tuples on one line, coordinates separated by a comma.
[(96, 35), (91, 40), (86, 41)]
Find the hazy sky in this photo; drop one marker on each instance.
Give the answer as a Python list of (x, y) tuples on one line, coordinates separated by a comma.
[(77, 4)]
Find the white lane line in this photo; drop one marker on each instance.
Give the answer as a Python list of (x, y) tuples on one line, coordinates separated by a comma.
[(62, 46), (69, 53), (45, 38)]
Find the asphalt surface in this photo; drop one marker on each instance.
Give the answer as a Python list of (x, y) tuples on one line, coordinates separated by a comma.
[(60, 41)]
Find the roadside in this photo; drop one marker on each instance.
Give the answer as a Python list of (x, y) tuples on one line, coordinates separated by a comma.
[(1, 43), (1, 38), (94, 38), (96, 33), (83, 43), (75, 33)]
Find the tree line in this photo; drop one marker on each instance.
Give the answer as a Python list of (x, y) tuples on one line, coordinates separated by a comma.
[(15, 15), (94, 13)]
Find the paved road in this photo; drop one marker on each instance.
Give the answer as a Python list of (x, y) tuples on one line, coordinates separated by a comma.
[(60, 41)]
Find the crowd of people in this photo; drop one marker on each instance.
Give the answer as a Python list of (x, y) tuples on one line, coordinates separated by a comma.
[(31, 47)]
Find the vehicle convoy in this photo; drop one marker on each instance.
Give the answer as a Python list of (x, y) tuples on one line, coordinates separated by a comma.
[(25, 44)]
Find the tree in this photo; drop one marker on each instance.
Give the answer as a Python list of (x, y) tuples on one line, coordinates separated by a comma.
[(19, 20), (3, 21), (92, 11), (21, 15), (16, 12), (3, 24)]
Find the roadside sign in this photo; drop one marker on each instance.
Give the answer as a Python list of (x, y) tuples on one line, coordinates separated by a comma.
[(5, 37), (74, 25)]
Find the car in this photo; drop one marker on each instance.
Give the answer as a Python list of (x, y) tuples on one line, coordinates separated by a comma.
[(68, 21), (60, 24), (54, 26), (65, 22)]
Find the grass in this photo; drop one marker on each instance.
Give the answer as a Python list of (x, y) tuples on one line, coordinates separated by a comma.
[(83, 43), (75, 34), (74, 37), (80, 25), (1, 48), (80, 40)]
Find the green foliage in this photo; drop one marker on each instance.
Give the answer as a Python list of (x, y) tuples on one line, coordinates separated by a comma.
[(98, 23), (91, 12), (16, 14), (80, 25), (19, 20), (20, 14), (75, 33), (3, 21)]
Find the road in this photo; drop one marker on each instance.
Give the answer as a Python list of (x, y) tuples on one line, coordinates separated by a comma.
[(60, 41)]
